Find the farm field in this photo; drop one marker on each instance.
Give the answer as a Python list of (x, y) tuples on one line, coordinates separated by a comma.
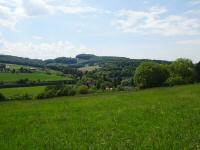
[(37, 69), (160, 118), (12, 77), (22, 90)]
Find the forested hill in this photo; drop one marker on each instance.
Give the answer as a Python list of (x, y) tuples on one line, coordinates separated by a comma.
[(21, 61), (80, 60)]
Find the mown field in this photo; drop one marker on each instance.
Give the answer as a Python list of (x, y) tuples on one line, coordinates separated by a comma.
[(22, 90), (11, 77), (161, 118)]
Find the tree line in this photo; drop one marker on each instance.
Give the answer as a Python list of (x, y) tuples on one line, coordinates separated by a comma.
[(126, 75), (181, 71)]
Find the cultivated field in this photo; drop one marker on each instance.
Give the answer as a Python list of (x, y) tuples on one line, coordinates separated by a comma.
[(11, 77), (162, 118)]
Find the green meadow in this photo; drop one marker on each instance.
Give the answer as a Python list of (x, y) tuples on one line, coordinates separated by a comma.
[(160, 118), (12, 77), (22, 90)]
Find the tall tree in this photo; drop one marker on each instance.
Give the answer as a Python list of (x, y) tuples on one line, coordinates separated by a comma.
[(150, 74)]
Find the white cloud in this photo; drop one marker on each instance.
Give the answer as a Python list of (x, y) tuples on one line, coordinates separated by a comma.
[(8, 18), (75, 10), (41, 50), (195, 2), (195, 42), (156, 21), (11, 13)]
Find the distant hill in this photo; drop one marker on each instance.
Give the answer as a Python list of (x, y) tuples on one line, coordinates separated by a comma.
[(21, 61), (79, 61)]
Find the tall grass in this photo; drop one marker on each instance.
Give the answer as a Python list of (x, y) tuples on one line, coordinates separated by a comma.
[(162, 118)]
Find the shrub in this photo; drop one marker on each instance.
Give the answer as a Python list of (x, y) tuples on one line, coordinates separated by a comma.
[(197, 68), (56, 91), (150, 74), (183, 68), (23, 81), (41, 96), (120, 88), (106, 84), (72, 92), (175, 80), (2, 97), (93, 89), (125, 83), (65, 91), (83, 89)]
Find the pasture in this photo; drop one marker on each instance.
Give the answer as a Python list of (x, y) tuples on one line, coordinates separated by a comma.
[(12, 77), (160, 118), (8, 92)]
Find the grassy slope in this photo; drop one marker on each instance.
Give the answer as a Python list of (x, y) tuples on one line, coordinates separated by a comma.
[(22, 90), (165, 118), (10, 77)]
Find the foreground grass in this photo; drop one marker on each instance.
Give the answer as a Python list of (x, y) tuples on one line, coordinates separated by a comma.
[(12, 77), (22, 90), (165, 118)]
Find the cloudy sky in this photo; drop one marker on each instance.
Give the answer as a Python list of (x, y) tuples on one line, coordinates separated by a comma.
[(154, 29)]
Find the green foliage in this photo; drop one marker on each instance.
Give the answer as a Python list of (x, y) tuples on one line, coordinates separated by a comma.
[(174, 80), (2, 67), (85, 56), (120, 88), (125, 82), (197, 68), (23, 81), (106, 84), (183, 68), (56, 91), (2, 97), (21, 61), (83, 89), (150, 74), (61, 60)]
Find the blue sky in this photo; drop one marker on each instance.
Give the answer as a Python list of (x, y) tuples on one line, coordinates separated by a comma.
[(154, 29)]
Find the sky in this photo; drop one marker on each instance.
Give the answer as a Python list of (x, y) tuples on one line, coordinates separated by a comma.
[(151, 29)]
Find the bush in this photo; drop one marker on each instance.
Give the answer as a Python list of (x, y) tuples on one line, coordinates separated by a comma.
[(72, 92), (2, 97), (93, 89), (197, 68), (106, 84), (176, 80), (83, 89), (183, 68), (23, 81), (56, 91), (125, 83), (120, 88), (66, 91), (150, 74)]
